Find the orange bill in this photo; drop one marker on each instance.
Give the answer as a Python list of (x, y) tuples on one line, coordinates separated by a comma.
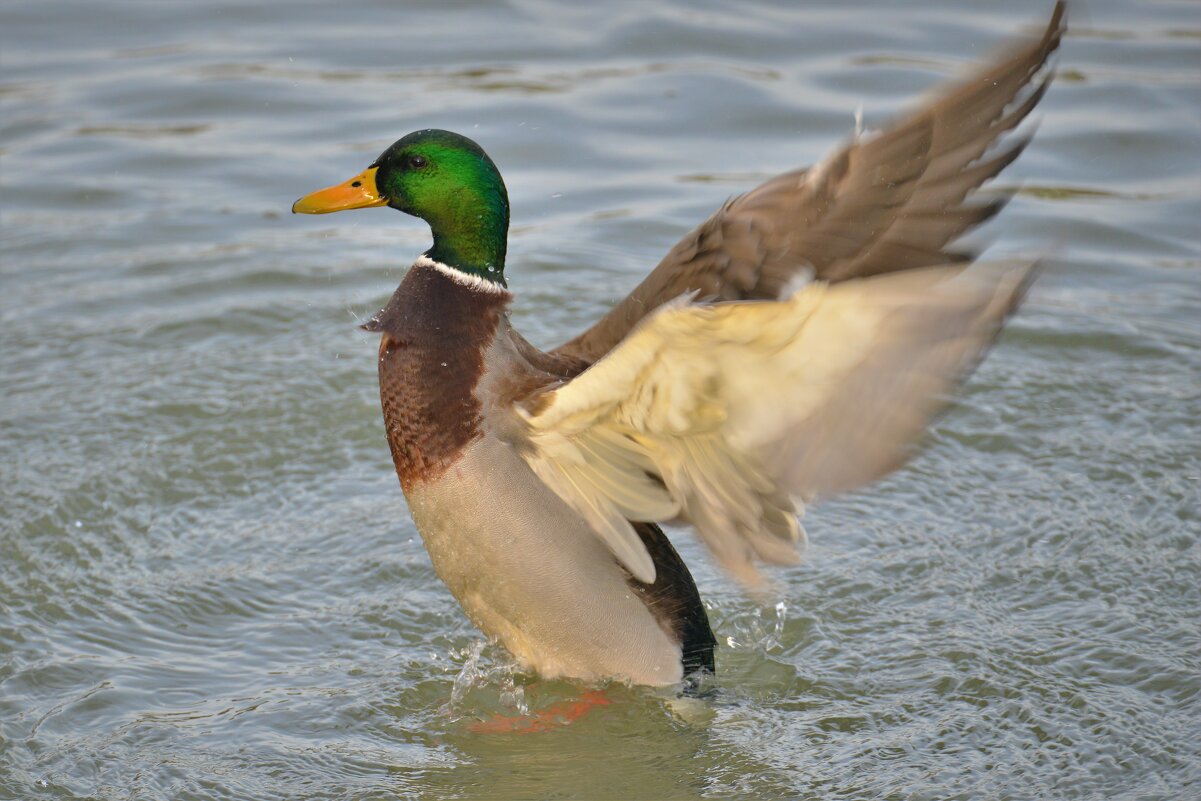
[(359, 192)]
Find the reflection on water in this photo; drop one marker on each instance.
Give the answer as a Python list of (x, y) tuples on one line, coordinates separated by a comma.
[(209, 585)]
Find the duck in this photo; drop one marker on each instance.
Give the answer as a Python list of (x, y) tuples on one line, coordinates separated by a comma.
[(792, 347)]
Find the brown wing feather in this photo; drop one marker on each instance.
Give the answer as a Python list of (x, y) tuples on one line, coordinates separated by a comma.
[(892, 201)]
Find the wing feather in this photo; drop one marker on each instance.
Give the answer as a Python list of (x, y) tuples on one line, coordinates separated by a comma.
[(733, 416), (882, 203)]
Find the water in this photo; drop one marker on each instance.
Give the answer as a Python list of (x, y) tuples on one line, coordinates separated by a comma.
[(209, 584)]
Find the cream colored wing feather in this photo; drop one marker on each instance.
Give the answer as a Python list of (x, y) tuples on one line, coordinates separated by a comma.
[(732, 416)]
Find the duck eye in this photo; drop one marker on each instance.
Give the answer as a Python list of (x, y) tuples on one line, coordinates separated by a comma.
[(417, 162)]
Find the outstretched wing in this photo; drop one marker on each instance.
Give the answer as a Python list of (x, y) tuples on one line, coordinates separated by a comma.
[(731, 416), (891, 201)]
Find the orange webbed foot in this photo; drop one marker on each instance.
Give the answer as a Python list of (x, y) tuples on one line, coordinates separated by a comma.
[(552, 717)]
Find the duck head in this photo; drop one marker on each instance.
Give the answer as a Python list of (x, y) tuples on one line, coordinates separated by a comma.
[(443, 178)]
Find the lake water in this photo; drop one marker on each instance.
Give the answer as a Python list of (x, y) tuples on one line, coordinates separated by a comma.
[(210, 587)]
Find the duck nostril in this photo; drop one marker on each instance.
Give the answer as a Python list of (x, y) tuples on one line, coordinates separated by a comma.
[(357, 184)]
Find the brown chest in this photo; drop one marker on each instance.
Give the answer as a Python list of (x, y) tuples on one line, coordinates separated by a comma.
[(434, 333)]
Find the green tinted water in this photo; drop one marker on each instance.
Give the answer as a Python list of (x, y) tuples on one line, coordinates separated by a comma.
[(209, 584)]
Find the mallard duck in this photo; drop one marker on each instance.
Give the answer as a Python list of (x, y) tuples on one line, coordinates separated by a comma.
[(792, 347)]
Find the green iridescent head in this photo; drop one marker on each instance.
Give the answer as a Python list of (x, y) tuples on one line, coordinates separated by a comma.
[(445, 179)]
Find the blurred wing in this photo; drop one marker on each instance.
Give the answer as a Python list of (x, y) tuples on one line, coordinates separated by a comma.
[(732, 416), (886, 202)]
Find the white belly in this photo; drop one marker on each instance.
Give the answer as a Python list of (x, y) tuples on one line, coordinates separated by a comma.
[(531, 574)]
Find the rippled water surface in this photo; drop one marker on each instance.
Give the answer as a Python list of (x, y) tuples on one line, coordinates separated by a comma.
[(209, 583)]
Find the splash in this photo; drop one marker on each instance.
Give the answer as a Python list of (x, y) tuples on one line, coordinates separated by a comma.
[(754, 631), (483, 671)]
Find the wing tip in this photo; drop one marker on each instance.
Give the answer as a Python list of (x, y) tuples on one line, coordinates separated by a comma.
[(641, 567)]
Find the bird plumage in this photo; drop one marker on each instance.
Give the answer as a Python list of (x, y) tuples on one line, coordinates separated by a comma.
[(791, 347)]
